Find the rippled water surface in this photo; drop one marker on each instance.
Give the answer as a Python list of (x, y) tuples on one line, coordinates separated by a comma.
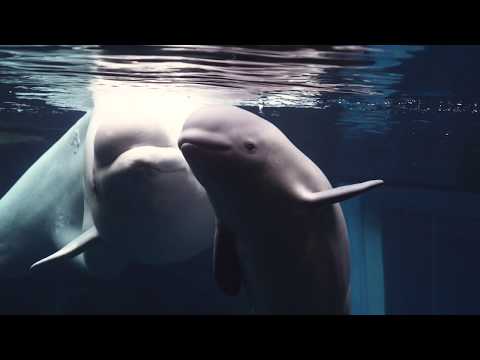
[(355, 78), (266, 75)]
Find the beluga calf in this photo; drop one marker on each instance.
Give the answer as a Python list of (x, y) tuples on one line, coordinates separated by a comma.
[(280, 230)]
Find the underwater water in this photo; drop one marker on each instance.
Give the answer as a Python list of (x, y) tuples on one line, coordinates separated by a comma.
[(406, 114)]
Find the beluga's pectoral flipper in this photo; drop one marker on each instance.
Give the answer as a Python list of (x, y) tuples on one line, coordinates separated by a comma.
[(226, 264), (73, 248), (338, 194)]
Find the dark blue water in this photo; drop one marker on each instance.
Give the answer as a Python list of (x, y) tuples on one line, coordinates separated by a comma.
[(405, 114)]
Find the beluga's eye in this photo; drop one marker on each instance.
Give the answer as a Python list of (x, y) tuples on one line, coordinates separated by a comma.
[(250, 146)]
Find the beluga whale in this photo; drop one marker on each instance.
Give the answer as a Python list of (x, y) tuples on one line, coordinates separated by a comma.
[(43, 210), (142, 203), (114, 190), (280, 231)]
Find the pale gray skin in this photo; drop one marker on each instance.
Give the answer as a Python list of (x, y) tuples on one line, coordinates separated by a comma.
[(146, 205), (107, 194), (280, 229), (43, 211)]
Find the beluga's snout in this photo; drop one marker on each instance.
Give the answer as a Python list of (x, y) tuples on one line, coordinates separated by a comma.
[(203, 140), (202, 132)]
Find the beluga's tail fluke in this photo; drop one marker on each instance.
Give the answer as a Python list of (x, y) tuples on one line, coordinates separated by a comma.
[(73, 248)]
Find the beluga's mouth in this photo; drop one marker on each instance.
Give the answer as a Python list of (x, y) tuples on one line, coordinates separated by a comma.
[(153, 168), (207, 145)]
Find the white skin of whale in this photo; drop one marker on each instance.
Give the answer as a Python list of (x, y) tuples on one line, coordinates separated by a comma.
[(146, 204), (145, 207), (143, 204), (280, 230), (43, 211)]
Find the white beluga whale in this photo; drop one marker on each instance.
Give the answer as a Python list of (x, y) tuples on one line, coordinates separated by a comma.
[(43, 211), (113, 190), (280, 230), (142, 203)]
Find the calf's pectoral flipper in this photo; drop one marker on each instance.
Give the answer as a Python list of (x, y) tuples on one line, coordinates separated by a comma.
[(340, 193), (73, 248), (226, 264)]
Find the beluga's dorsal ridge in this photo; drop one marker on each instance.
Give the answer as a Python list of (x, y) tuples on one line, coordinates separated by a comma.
[(280, 228)]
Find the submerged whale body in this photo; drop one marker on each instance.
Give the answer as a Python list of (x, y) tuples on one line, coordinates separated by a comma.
[(280, 230), (123, 193), (44, 208)]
